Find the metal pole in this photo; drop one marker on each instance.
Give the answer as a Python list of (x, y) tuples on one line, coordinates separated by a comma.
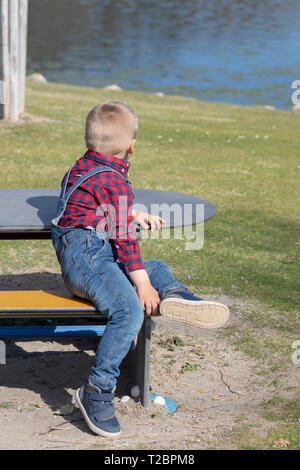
[(5, 58), (14, 59), (23, 12)]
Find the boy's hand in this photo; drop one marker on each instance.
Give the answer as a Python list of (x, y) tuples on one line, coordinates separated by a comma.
[(148, 296), (149, 299), (145, 220)]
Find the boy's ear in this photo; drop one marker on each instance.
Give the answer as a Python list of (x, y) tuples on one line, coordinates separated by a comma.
[(131, 145)]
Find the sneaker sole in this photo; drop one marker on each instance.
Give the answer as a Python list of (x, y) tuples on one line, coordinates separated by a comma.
[(202, 314), (92, 427)]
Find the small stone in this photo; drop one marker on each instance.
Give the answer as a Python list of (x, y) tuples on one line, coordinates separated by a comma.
[(135, 391), (271, 108), (113, 87), (125, 399), (37, 77), (159, 401), (159, 93), (66, 409), (296, 107)]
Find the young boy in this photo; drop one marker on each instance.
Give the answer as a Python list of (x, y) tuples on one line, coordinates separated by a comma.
[(94, 236)]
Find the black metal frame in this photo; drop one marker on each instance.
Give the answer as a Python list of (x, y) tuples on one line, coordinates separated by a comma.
[(25, 235), (137, 360)]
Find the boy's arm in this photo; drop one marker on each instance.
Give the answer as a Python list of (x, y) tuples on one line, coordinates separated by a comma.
[(115, 217), (126, 245), (148, 296)]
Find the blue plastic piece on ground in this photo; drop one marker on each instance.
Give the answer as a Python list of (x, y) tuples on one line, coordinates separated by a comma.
[(50, 331), (171, 405)]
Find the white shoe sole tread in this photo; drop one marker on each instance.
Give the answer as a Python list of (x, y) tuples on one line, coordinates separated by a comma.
[(202, 314)]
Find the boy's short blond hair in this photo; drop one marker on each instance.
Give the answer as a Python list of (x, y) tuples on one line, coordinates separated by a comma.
[(110, 127)]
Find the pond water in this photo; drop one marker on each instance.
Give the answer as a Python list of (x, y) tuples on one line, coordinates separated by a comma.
[(238, 51)]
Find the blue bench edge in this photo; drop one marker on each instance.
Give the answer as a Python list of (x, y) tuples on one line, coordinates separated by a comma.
[(50, 331)]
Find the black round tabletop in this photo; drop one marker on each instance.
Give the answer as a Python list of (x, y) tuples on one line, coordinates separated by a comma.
[(177, 209), (33, 209)]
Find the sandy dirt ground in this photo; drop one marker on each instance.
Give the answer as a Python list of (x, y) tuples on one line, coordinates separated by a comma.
[(212, 383)]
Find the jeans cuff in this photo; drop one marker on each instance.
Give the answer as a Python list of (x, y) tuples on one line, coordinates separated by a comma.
[(173, 286), (104, 388)]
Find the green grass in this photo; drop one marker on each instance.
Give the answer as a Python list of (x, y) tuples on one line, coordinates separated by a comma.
[(251, 247), (170, 342), (6, 405), (247, 436), (280, 409), (245, 160), (188, 367)]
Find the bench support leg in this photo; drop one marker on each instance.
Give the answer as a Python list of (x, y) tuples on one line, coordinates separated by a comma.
[(138, 361)]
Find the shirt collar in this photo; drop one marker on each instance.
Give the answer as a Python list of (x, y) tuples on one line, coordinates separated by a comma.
[(118, 164)]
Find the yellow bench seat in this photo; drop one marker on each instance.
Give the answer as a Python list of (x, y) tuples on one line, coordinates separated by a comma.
[(41, 303), (54, 304)]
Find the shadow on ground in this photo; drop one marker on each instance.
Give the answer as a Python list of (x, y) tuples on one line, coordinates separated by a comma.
[(51, 368)]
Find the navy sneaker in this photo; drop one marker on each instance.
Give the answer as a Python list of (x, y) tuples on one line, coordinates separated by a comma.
[(98, 410), (182, 305)]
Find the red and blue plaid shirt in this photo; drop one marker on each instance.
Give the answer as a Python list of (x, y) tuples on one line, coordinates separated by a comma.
[(89, 205)]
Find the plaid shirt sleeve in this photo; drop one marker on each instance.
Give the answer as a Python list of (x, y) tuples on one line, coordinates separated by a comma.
[(120, 223)]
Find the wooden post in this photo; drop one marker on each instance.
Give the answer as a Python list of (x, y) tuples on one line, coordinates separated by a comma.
[(14, 46), (23, 9), (14, 59), (5, 59)]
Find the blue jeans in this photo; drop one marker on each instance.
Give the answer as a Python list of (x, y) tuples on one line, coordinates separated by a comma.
[(90, 270)]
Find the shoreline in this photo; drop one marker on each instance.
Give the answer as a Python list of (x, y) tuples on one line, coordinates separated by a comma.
[(162, 94)]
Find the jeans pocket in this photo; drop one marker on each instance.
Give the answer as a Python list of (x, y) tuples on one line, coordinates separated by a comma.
[(95, 246), (75, 241)]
